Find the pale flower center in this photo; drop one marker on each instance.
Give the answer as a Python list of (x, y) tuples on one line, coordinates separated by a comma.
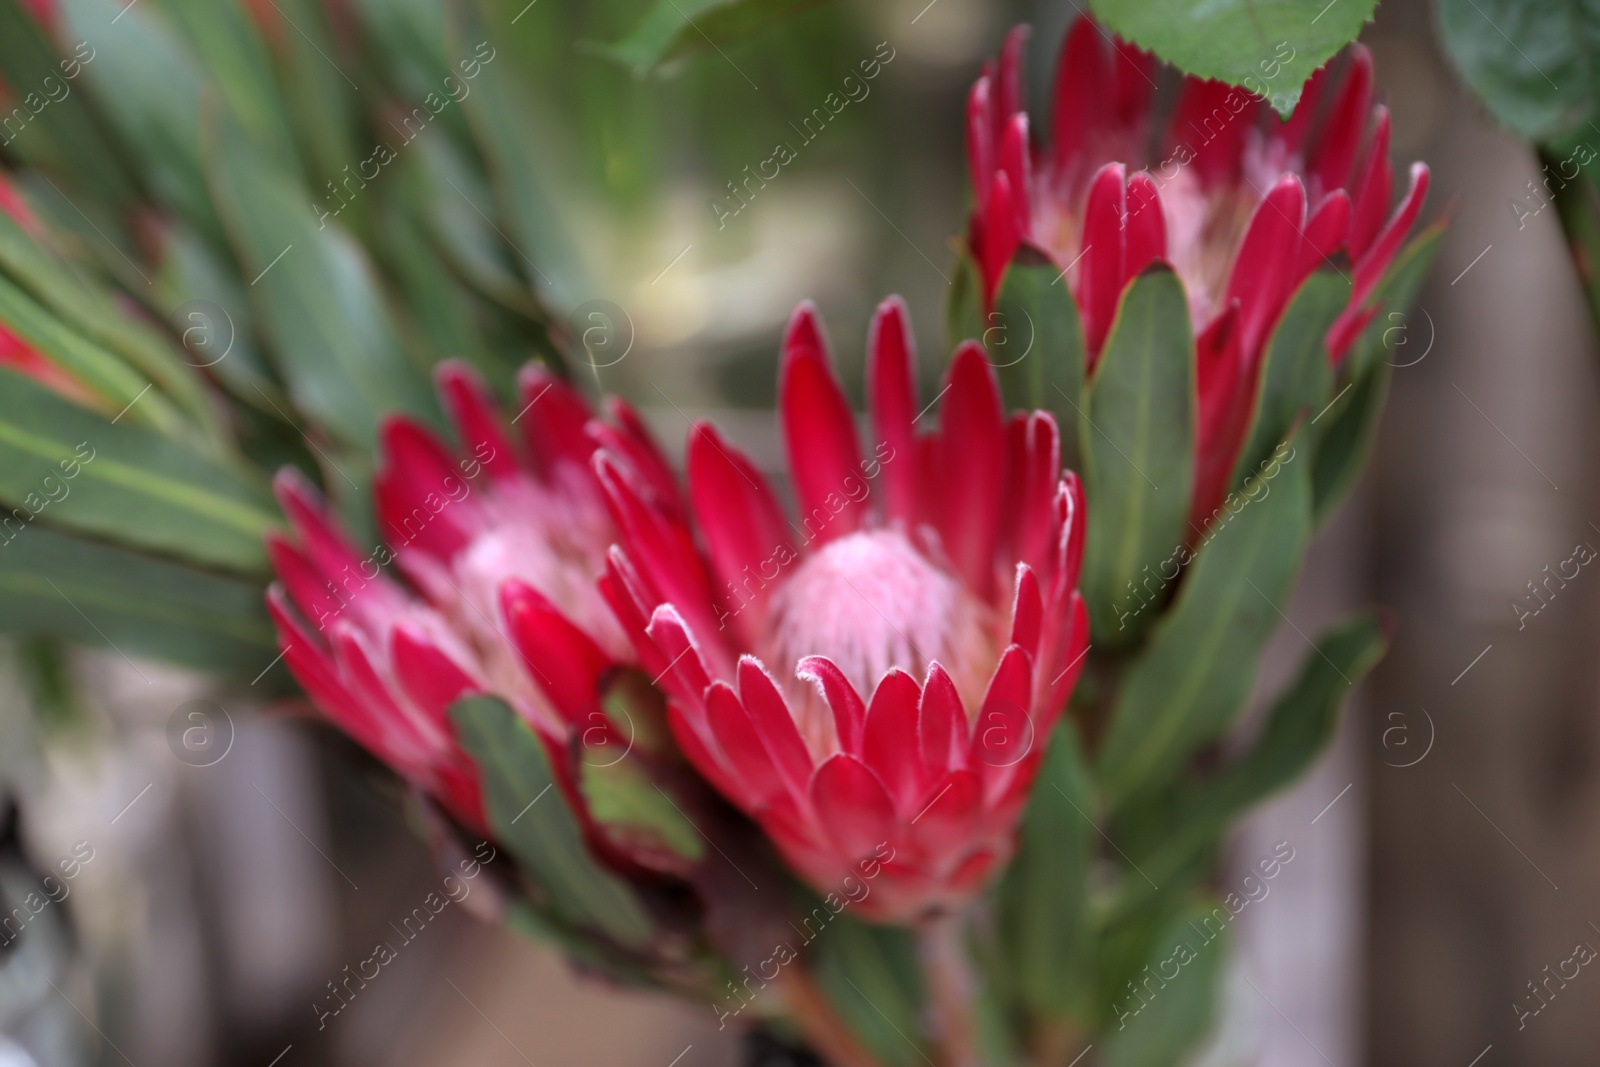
[(868, 602)]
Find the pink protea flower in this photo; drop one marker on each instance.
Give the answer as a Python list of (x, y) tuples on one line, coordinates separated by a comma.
[(501, 546), (1242, 205), (873, 684)]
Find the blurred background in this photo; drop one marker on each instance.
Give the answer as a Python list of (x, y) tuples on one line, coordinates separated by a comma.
[(1448, 849)]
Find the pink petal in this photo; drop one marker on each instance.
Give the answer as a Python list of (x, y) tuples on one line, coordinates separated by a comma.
[(1100, 272), (1371, 267), (1000, 236), (1208, 128), (1027, 611), (631, 439), (1014, 163), (774, 724), (889, 743), (1082, 75), (1325, 233), (892, 398), (1340, 137), (476, 418), (971, 453), (413, 490), (312, 593), (685, 675), (1005, 731), (562, 659), (1224, 415), (1009, 80), (982, 147), (747, 757), (853, 807), (1266, 257), (1145, 231), (942, 723), (744, 529), (552, 416), (1373, 189), (841, 698), (819, 434), (429, 676)]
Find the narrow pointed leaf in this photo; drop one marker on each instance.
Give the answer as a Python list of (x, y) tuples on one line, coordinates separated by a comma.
[(1137, 443), (870, 974), (529, 815), (1295, 378), (1040, 357), (1190, 682), (1169, 1016)]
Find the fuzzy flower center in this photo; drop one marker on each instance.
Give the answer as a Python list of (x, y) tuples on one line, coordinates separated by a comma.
[(871, 601)]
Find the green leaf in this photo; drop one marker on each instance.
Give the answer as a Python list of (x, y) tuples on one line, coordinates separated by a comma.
[(1175, 999), (622, 798), (1190, 682), (963, 313), (673, 28), (1039, 352), (1297, 730), (870, 973), (520, 169), (539, 830), (124, 482), (1137, 442), (1042, 901), (70, 136), (1268, 47), (149, 85), (71, 587), (1390, 336), (316, 296), (1295, 375), (1345, 441), (1535, 66)]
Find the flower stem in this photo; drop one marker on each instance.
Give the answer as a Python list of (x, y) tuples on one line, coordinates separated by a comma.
[(950, 988), (824, 1031)]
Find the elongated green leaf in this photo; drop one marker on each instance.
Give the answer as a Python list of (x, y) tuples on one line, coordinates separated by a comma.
[(1137, 442), (1295, 376), (1043, 913), (1039, 354), (149, 85), (321, 92), (1188, 685), (1534, 65), (673, 28), (316, 296), (1297, 730), (124, 483), (1269, 47), (963, 312), (89, 310), (1393, 336), (1345, 441), (520, 172), (71, 587), (69, 135), (870, 974), (538, 829), (1174, 1001), (224, 40), (106, 377)]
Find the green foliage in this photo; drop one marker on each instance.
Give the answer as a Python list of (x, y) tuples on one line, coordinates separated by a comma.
[(1169, 1015), (1039, 352), (870, 974), (539, 829), (1137, 443), (1534, 65), (1190, 682), (670, 28), (1269, 47)]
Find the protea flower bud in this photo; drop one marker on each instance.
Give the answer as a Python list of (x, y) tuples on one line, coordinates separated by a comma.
[(873, 682), (502, 546), (1242, 205)]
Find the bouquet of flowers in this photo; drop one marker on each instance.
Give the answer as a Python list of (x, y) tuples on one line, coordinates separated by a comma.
[(920, 765)]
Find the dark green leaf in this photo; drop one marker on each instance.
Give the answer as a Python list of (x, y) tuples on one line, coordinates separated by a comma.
[(124, 483), (963, 312), (672, 28), (1345, 440), (1174, 1001), (71, 587), (870, 973), (1137, 443), (1187, 686), (1269, 47), (1295, 377), (316, 296), (1536, 66), (1043, 914), (539, 830), (1038, 352), (1297, 730)]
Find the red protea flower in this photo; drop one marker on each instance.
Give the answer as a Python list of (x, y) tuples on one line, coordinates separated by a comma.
[(1242, 205), (502, 547), (873, 683)]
